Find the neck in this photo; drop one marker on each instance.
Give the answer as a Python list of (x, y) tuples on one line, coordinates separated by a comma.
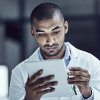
[(60, 55)]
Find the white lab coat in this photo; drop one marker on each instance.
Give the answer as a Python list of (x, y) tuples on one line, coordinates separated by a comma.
[(79, 58)]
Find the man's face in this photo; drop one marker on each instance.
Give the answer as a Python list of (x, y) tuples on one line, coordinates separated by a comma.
[(50, 34)]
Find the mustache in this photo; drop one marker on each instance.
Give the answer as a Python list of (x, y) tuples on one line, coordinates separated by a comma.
[(53, 45)]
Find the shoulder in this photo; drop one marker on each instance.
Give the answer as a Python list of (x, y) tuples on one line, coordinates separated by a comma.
[(83, 56), (80, 53), (86, 56), (19, 70), (21, 66)]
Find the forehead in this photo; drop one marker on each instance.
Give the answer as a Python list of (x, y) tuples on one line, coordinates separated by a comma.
[(48, 23)]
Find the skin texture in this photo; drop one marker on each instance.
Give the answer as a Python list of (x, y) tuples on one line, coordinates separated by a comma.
[(50, 34)]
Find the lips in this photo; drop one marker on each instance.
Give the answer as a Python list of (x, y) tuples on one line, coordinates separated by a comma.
[(50, 48)]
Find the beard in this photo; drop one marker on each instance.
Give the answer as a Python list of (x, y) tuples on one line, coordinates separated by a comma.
[(51, 50)]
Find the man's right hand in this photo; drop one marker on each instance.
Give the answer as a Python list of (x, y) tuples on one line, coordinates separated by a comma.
[(37, 86)]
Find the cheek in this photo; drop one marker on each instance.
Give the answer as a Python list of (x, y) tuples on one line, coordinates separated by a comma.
[(59, 39), (41, 42)]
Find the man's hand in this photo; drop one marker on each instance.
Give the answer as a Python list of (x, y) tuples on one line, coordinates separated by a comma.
[(81, 79), (37, 86)]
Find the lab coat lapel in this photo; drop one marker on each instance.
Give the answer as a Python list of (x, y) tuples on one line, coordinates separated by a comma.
[(74, 57), (74, 62)]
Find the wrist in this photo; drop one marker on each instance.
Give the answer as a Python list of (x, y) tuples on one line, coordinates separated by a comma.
[(87, 93), (27, 98)]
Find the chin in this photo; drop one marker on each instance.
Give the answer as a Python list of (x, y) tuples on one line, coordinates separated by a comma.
[(52, 54)]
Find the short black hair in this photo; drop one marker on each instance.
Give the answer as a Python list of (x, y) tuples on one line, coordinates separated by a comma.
[(45, 11)]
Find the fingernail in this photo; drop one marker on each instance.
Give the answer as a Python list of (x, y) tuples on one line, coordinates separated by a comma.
[(70, 68), (52, 89), (41, 71), (56, 83), (69, 73), (52, 76)]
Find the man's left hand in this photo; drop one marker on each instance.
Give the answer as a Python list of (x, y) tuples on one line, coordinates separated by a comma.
[(81, 78)]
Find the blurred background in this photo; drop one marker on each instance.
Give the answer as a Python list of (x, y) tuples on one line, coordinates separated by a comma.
[(16, 42)]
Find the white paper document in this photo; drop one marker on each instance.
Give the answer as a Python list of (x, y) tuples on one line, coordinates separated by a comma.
[(56, 68)]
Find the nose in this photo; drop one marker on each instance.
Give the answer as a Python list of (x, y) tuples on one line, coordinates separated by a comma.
[(50, 40)]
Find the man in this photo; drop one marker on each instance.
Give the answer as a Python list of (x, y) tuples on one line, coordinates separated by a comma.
[(49, 28)]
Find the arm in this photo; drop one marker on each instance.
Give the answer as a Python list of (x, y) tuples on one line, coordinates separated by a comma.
[(95, 77), (16, 90)]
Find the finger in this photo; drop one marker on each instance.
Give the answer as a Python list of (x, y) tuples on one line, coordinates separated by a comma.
[(42, 81), (47, 85), (78, 79), (81, 83), (35, 76), (78, 69), (51, 89), (78, 73)]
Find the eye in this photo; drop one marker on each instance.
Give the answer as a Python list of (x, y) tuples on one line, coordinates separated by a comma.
[(56, 32), (41, 34)]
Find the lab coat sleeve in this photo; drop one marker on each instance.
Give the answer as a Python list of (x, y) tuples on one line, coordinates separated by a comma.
[(95, 77), (16, 90)]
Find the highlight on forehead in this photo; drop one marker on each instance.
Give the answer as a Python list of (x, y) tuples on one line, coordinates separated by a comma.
[(45, 11)]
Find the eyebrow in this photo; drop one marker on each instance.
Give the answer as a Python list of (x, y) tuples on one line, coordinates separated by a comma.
[(56, 28), (38, 30)]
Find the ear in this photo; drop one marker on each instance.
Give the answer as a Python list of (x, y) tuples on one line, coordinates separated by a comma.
[(66, 26), (32, 31)]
